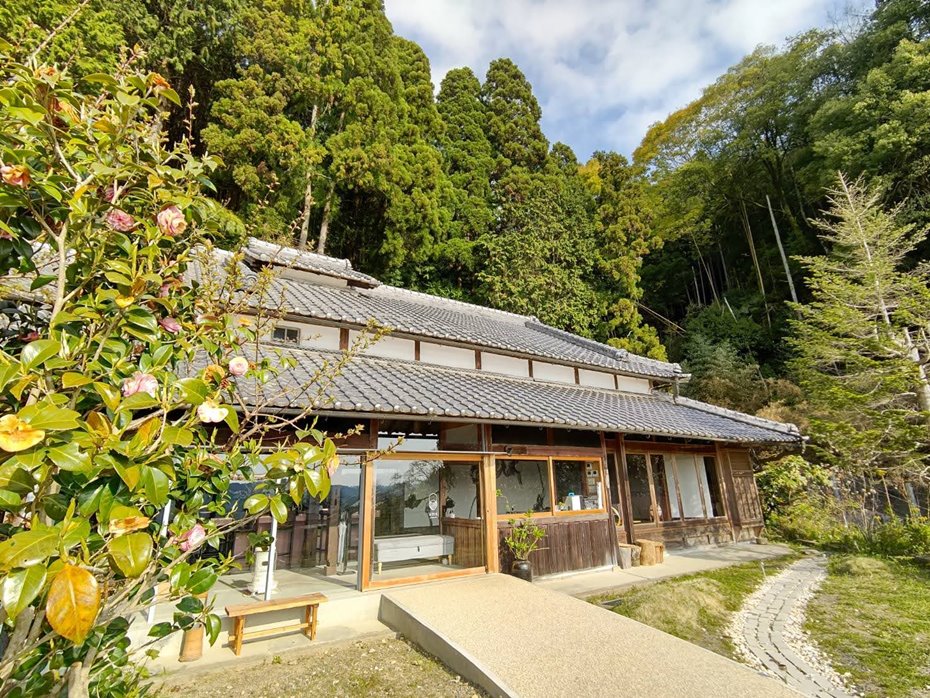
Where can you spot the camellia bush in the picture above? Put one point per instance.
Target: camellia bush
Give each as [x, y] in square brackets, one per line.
[125, 385]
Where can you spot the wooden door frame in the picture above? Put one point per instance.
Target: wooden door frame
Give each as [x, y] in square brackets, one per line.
[366, 543]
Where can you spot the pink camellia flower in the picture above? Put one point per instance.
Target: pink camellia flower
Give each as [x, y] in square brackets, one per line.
[119, 220]
[209, 412]
[30, 336]
[109, 193]
[171, 221]
[169, 324]
[238, 365]
[15, 175]
[140, 382]
[192, 538]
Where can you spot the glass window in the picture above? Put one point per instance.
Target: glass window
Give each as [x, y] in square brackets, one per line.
[638, 475]
[689, 487]
[577, 485]
[614, 491]
[523, 485]
[288, 335]
[427, 518]
[712, 487]
[666, 497]
[417, 436]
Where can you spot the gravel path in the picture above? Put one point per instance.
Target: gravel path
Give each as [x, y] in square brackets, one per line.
[768, 631]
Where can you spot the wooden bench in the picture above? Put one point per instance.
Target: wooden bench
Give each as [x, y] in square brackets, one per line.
[310, 603]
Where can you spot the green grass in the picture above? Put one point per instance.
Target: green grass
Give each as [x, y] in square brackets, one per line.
[872, 619]
[697, 607]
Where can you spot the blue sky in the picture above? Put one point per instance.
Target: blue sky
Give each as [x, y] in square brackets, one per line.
[604, 70]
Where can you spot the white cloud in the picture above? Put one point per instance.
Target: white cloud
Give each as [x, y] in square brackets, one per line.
[603, 71]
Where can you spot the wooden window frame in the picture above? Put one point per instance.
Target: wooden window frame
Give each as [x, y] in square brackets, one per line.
[670, 457]
[549, 459]
[489, 516]
[285, 329]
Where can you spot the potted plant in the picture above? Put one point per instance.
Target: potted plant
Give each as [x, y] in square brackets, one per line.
[522, 539]
[257, 556]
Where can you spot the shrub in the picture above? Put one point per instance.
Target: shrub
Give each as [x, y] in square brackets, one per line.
[119, 381]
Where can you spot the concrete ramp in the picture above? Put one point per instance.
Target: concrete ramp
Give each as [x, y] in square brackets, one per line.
[518, 639]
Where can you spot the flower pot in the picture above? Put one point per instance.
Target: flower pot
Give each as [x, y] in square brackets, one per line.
[259, 573]
[523, 569]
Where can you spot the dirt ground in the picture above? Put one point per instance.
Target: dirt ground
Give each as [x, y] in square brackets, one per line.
[376, 667]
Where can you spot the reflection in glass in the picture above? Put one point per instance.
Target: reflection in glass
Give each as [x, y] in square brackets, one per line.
[639, 487]
[427, 517]
[317, 546]
[712, 487]
[577, 485]
[689, 487]
[666, 498]
[523, 486]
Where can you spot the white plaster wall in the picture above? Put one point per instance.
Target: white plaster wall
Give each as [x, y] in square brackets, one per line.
[388, 347]
[447, 356]
[595, 379]
[508, 365]
[634, 385]
[319, 337]
[553, 372]
[311, 336]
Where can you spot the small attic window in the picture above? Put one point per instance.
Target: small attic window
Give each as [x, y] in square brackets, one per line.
[288, 335]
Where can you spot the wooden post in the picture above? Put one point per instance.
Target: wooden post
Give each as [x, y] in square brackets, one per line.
[605, 492]
[489, 513]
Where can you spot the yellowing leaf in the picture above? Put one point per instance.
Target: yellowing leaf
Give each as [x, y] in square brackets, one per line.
[131, 554]
[125, 301]
[73, 603]
[125, 519]
[17, 435]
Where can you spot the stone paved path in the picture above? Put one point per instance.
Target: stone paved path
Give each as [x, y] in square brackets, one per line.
[768, 631]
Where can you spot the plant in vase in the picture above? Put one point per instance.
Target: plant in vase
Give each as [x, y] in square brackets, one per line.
[257, 556]
[523, 539]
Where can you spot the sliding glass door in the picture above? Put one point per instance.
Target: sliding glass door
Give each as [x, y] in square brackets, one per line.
[428, 518]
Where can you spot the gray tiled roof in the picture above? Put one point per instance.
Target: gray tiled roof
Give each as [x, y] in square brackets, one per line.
[423, 315]
[380, 386]
[268, 253]
[434, 317]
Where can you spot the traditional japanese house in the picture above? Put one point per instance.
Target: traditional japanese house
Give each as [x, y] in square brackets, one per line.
[500, 414]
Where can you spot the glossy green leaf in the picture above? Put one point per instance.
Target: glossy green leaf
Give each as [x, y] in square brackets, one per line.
[255, 503]
[21, 587]
[109, 394]
[73, 380]
[177, 436]
[131, 553]
[156, 484]
[10, 501]
[278, 509]
[69, 457]
[29, 547]
[43, 415]
[201, 581]
[38, 352]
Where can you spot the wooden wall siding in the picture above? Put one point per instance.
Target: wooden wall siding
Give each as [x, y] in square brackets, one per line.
[469, 541]
[686, 533]
[748, 508]
[569, 544]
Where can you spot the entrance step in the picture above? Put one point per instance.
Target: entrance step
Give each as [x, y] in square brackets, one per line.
[513, 638]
